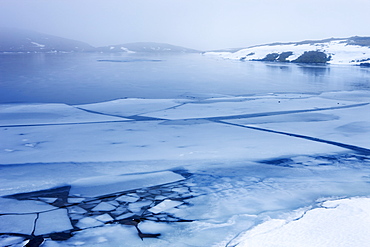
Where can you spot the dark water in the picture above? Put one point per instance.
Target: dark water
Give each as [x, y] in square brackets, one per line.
[87, 78]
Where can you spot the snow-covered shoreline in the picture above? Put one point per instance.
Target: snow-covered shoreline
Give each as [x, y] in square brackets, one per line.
[339, 51]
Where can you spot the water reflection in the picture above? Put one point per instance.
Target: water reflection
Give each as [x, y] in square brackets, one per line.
[285, 68]
[315, 70]
[361, 85]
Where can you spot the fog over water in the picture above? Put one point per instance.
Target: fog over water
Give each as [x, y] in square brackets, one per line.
[203, 25]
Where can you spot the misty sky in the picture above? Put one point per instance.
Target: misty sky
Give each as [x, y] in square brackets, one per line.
[198, 24]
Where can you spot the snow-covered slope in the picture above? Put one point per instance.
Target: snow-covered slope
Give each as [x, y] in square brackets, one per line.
[354, 50]
[15, 40]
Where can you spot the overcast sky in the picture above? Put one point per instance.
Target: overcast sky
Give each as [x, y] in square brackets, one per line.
[198, 24]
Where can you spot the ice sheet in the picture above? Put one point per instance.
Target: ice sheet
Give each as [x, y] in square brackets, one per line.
[31, 114]
[248, 107]
[131, 107]
[200, 177]
[336, 125]
[142, 140]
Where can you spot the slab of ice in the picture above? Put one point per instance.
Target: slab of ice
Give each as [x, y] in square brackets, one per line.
[164, 205]
[114, 203]
[53, 221]
[104, 206]
[17, 223]
[125, 216]
[12, 206]
[88, 222]
[253, 106]
[75, 200]
[24, 114]
[340, 223]
[95, 186]
[125, 198]
[130, 107]
[104, 218]
[76, 210]
[136, 207]
[337, 125]
[145, 141]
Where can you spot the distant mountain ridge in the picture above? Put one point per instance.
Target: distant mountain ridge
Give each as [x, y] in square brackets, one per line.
[14, 40]
[354, 50]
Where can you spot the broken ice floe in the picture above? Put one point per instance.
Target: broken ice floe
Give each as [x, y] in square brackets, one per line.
[59, 216]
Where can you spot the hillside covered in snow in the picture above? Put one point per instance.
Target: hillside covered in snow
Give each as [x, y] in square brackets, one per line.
[16, 40]
[354, 50]
[25, 41]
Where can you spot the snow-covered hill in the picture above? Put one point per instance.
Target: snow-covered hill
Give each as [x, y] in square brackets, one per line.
[14, 40]
[354, 50]
[146, 47]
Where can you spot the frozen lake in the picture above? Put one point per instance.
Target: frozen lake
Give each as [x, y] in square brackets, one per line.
[182, 151]
[88, 78]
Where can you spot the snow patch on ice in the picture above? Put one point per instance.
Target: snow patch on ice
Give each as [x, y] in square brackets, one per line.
[337, 223]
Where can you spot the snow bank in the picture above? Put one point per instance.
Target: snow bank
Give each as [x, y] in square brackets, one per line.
[339, 223]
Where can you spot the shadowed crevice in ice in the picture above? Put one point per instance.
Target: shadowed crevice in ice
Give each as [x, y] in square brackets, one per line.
[342, 145]
[60, 193]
